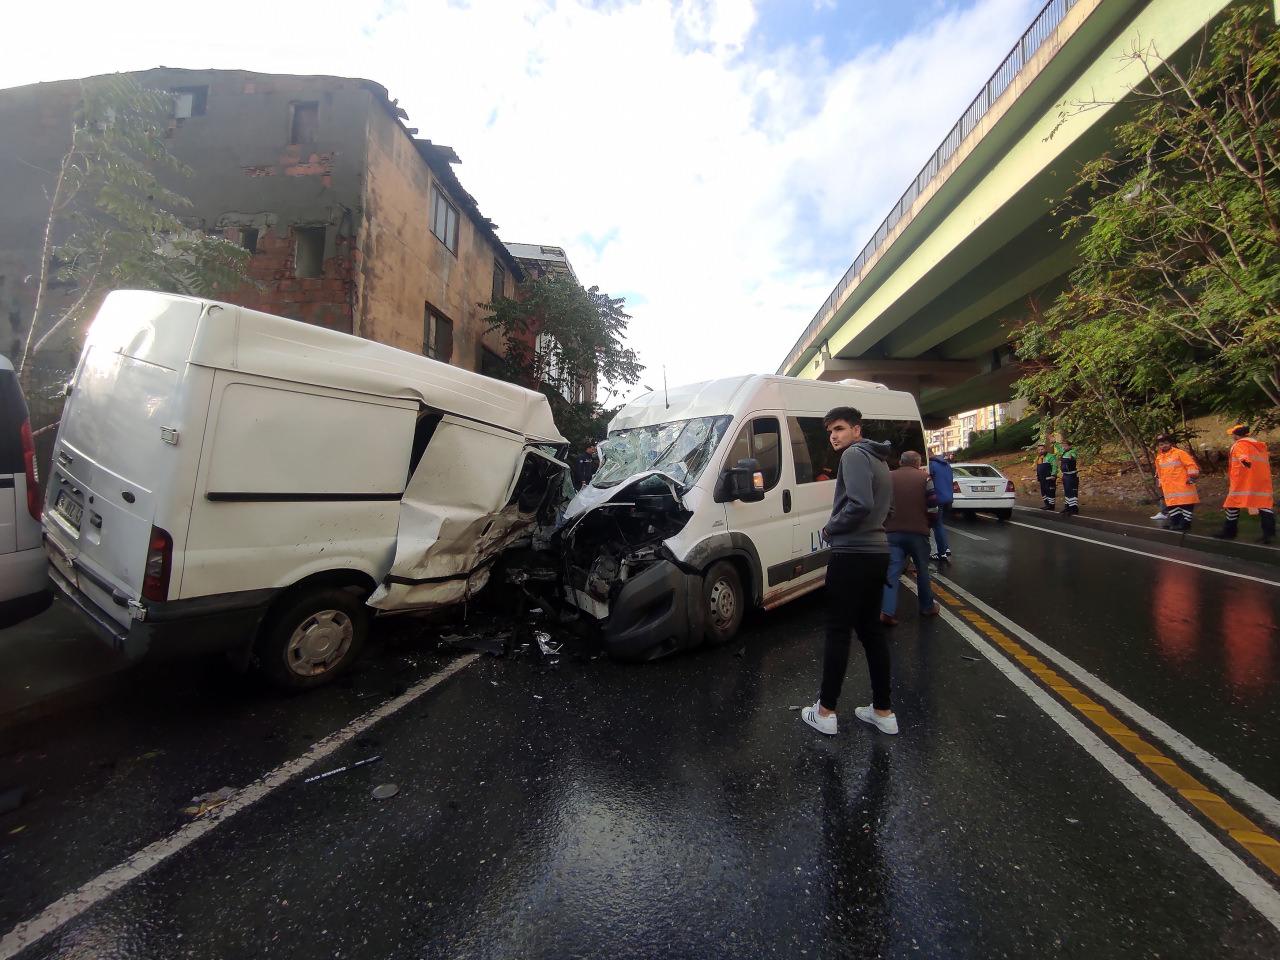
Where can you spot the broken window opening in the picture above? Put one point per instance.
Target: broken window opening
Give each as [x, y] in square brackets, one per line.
[189, 102]
[437, 334]
[423, 431]
[304, 121]
[249, 239]
[444, 220]
[681, 449]
[308, 252]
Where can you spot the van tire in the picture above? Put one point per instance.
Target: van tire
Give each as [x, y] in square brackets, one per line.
[724, 602]
[338, 622]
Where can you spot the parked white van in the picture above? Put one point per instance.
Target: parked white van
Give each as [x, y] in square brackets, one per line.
[710, 499]
[23, 580]
[225, 479]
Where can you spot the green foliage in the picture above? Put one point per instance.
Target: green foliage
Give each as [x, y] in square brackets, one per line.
[1007, 439]
[112, 221]
[565, 340]
[1175, 307]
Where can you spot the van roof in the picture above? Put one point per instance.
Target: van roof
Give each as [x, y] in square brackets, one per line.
[221, 335]
[746, 394]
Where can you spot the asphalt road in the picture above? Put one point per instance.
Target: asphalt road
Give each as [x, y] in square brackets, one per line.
[1087, 767]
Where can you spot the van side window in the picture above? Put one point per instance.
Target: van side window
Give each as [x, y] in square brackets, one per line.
[760, 439]
[811, 451]
[901, 434]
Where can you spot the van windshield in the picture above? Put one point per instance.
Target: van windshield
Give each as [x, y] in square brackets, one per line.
[681, 449]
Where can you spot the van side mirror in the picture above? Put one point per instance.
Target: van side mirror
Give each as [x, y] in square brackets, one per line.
[744, 482]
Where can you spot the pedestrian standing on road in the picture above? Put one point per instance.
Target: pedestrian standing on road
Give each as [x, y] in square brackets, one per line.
[943, 478]
[585, 466]
[1248, 486]
[856, 572]
[1177, 472]
[914, 504]
[1047, 474]
[1066, 453]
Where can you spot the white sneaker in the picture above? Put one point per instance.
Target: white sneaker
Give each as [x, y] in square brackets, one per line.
[868, 714]
[820, 723]
[1160, 516]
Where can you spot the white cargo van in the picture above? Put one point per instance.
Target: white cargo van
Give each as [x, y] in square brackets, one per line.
[225, 479]
[23, 580]
[709, 500]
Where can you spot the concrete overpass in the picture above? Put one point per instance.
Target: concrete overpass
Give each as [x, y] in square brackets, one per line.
[973, 244]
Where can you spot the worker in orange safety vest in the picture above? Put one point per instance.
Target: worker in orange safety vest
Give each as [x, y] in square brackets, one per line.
[1249, 486]
[1177, 472]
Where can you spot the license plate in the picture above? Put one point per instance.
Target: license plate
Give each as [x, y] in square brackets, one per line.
[69, 508]
[986, 489]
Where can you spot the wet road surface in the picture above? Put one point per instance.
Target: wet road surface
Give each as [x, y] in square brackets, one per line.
[681, 808]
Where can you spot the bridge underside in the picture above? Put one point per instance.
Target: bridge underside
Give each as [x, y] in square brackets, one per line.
[934, 310]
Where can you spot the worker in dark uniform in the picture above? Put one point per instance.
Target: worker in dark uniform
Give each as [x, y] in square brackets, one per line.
[585, 466]
[1066, 452]
[1047, 474]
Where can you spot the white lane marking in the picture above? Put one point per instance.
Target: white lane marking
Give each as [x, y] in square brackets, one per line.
[1143, 553]
[113, 880]
[964, 533]
[1242, 878]
[1139, 526]
[1234, 783]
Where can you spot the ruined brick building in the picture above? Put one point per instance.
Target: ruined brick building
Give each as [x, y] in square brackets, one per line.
[354, 223]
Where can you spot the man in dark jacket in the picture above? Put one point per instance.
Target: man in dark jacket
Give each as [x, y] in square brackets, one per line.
[943, 477]
[914, 504]
[585, 466]
[856, 572]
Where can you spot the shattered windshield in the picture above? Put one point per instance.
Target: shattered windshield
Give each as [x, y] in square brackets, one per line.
[680, 449]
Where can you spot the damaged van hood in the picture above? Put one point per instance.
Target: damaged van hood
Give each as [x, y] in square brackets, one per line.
[589, 498]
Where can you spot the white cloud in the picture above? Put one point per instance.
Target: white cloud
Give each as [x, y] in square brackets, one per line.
[723, 192]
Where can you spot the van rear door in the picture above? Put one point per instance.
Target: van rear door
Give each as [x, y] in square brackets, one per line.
[116, 451]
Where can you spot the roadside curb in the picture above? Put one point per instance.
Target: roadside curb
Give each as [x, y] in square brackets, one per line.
[1224, 548]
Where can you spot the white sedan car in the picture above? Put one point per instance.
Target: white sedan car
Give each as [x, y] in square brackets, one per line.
[980, 486]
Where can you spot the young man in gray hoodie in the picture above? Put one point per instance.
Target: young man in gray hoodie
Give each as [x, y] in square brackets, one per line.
[856, 572]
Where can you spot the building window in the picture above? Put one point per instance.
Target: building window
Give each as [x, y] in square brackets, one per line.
[308, 252]
[491, 364]
[304, 122]
[499, 281]
[189, 102]
[437, 334]
[249, 239]
[444, 220]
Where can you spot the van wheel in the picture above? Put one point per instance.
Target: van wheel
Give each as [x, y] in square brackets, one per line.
[725, 603]
[1004, 514]
[313, 638]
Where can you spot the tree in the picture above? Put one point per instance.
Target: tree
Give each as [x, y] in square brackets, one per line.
[1174, 309]
[567, 341]
[113, 223]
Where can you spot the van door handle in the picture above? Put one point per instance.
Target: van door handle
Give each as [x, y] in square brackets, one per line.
[786, 501]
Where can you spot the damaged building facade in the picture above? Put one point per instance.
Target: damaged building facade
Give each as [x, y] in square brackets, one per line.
[354, 223]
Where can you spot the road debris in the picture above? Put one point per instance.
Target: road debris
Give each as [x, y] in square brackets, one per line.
[974, 659]
[349, 766]
[794, 706]
[385, 791]
[205, 802]
[544, 643]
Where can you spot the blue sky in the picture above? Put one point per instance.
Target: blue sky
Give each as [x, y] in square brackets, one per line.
[720, 162]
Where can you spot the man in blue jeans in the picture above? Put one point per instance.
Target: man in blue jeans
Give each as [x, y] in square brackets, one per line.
[942, 476]
[908, 533]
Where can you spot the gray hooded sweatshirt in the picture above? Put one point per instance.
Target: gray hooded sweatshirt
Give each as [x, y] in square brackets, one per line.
[864, 498]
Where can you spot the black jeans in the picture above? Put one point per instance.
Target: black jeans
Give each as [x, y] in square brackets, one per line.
[855, 584]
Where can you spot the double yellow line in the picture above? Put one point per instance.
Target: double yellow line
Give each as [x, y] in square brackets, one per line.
[1261, 845]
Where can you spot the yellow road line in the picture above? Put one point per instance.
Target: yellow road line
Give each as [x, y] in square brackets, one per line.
[1228, 819]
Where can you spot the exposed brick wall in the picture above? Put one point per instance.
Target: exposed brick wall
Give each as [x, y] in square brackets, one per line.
[326, 301]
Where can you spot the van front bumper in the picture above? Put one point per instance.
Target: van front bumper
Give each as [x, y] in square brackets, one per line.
[177, 628]
[657, 612]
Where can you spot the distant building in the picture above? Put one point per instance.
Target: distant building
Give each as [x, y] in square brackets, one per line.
[539, 260]
[955, 435]
[354, 223]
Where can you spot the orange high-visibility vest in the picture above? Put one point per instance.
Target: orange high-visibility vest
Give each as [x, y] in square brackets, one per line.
[1175, 470]
[1249, 483]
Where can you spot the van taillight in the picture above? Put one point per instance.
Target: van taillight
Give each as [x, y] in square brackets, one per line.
[155, 579]
[35, 503]
[1008, 486]
[955, 486]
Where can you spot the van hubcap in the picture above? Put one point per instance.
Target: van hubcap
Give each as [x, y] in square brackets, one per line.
[723, 604]
[319, 642]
